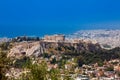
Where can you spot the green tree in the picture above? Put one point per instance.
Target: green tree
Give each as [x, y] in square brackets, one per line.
[4, 65]
[39, 72]
[111, 68]
[54, 74]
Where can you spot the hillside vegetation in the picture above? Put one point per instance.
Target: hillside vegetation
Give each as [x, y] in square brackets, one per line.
[35, 57]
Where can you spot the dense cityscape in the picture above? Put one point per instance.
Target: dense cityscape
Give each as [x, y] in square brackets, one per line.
[109, 38]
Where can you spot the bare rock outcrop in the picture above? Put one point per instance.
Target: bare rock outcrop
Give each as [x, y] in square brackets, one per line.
[26, 48]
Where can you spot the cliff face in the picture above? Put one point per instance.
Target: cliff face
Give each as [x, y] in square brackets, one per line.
[38, 48]
[26, 48]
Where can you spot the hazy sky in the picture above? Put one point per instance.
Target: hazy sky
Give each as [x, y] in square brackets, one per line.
[39, 17]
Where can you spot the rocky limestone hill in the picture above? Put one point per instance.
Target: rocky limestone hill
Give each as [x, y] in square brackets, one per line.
[39, 47]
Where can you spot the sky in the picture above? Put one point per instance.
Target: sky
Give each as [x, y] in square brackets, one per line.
[40, 17]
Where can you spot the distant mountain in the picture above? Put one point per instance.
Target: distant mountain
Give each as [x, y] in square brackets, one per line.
[107, 38]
